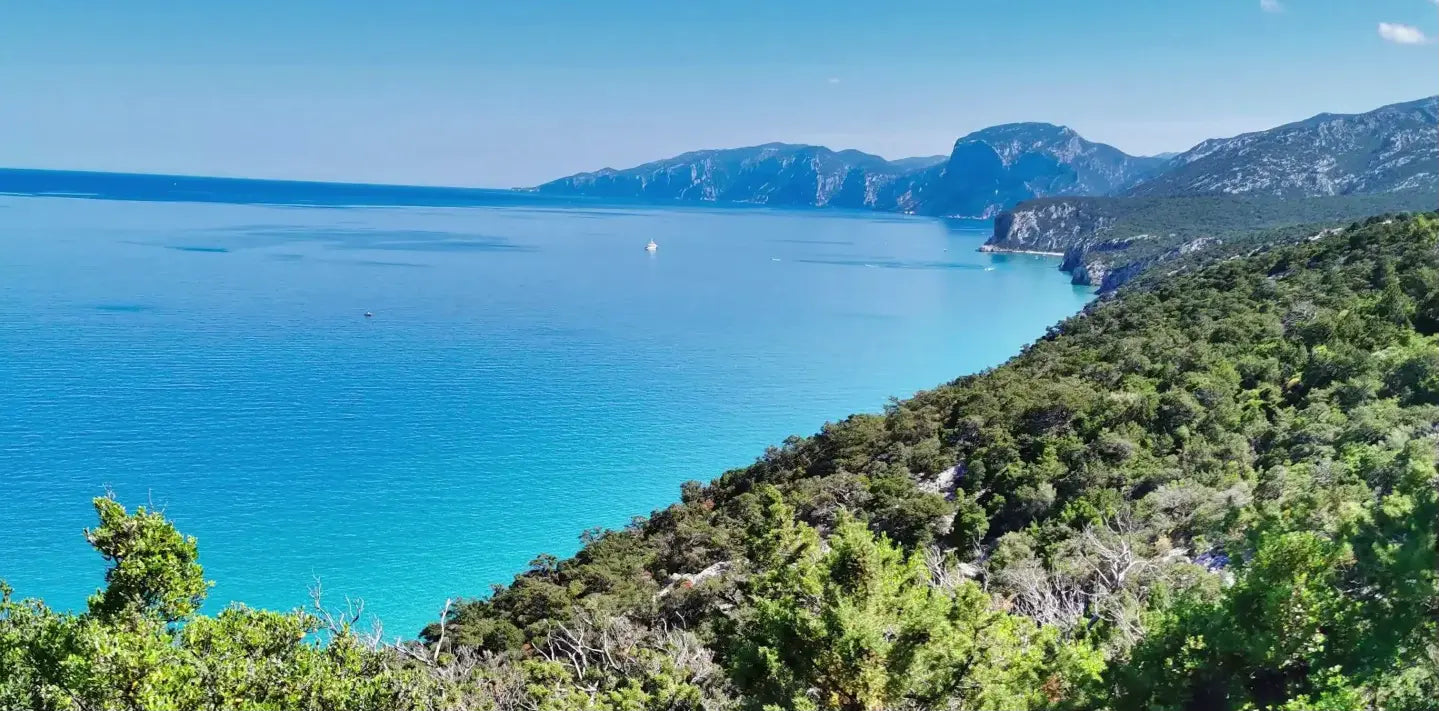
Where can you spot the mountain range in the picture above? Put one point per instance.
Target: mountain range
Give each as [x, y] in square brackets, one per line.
[773, 174]
[1290, 182]
[1393, 148]
[985, 172]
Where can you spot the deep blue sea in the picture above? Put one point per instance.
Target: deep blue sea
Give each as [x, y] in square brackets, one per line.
[529, 370]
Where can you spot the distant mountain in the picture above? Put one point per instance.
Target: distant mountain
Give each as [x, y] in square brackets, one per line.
[911, 164]
[1392, 148]
[1230, 193]
[992, 169]
[986, 172]
[771, 174]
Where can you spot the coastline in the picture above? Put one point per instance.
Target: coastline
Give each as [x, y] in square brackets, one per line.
[1002, 250]
[406, 603]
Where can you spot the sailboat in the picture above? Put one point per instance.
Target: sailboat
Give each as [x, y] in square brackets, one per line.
[651, 246]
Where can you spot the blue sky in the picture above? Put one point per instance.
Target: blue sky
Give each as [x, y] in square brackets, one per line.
[469, 92]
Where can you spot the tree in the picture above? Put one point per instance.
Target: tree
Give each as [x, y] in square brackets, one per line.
[859, 627]
[1316, 619]
[154, 571]
[140, 644]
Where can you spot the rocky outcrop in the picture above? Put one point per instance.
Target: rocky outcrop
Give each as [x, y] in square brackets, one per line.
[1109, 264]
[1048, 226]
[684, 581]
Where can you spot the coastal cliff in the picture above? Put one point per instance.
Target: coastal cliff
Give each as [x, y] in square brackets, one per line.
[1047, 226]
[1107, 241]
[1081, 231]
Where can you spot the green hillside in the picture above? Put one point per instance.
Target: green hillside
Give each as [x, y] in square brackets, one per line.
[1215, 490]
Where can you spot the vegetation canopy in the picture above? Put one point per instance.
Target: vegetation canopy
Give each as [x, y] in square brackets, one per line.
[1212, 490]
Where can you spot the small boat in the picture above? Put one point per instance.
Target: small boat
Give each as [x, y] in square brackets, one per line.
[651, 246]
[369, 315]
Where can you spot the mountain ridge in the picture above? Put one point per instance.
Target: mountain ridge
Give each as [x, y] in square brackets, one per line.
[1282, 183]
[1389, 149]
[1394, 147]
[985, 171]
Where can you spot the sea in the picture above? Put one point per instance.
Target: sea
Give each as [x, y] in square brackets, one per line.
[404, 394]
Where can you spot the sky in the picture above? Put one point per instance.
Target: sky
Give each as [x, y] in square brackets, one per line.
[503, 94]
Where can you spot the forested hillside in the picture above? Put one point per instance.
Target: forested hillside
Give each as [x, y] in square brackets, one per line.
[1212, 490]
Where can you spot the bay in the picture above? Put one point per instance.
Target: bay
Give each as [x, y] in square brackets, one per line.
[528, 371]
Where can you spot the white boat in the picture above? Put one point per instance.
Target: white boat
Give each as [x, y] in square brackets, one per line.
[651, 246]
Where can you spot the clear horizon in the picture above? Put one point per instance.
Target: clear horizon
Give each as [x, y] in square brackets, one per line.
[495, 96]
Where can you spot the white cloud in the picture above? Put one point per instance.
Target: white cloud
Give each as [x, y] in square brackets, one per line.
[1401, 34]
[835, 80]
[1276, 6]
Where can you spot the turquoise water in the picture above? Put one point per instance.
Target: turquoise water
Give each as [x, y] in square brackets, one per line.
[528, 372]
